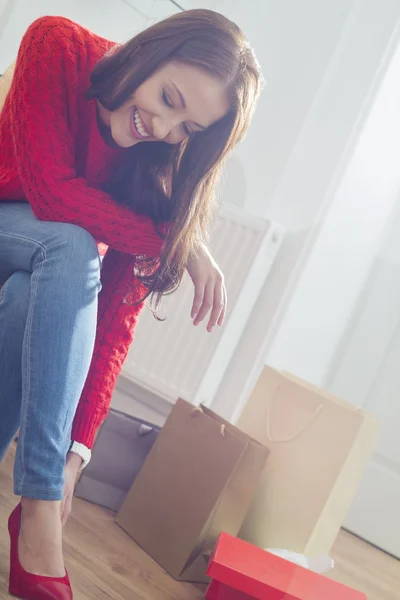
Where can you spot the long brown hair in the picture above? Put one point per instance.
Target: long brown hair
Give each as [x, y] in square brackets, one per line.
[176, 183]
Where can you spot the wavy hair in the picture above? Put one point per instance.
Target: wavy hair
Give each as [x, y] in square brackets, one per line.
[177, 183]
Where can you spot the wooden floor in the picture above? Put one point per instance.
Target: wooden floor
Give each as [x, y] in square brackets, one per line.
[105, 564]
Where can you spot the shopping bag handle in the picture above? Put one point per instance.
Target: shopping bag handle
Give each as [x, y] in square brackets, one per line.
[197, 410]
[274, 440]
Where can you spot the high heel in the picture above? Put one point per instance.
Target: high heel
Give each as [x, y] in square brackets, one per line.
[28, 586]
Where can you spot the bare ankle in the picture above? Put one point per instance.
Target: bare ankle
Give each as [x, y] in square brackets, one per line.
[40, 538]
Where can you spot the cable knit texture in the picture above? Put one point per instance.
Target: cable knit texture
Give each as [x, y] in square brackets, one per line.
[53, 156]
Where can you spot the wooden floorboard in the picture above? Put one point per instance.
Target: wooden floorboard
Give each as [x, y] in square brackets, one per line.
[104, 563]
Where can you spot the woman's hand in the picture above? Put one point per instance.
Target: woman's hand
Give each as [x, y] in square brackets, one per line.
[209, 289]
[72, 466]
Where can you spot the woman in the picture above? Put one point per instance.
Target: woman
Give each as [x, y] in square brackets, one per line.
[79, 178]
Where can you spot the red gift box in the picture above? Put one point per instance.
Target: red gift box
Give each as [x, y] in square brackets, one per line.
[241, 571]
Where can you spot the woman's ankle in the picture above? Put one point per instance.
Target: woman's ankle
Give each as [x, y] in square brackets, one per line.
[40, 539]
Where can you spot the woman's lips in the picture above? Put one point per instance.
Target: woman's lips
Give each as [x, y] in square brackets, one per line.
[138, 128]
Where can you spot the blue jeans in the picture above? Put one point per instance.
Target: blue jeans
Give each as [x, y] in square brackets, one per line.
[50, 279]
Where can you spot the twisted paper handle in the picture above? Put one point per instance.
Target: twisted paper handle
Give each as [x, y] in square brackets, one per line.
[199, 411]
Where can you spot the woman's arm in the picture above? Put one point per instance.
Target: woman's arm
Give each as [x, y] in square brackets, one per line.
[116, 322]
[49, 59]
[114, 335]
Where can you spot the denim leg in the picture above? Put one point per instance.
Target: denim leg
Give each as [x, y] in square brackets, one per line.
[14, 304]
[58, 340]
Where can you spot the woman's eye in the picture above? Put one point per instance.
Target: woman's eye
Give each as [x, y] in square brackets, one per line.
[166, 100]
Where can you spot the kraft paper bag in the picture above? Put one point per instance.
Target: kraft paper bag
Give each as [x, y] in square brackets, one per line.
[319, 447]
[119, 453]
[198, 481]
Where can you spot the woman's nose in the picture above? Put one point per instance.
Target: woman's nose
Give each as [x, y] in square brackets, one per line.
[161, 128]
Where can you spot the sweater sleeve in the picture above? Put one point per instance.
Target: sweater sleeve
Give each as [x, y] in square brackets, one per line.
[115, 326]
[49, 59]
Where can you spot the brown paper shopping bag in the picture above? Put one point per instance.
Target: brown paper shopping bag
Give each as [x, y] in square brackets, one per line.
[198, 481]
[319, 447]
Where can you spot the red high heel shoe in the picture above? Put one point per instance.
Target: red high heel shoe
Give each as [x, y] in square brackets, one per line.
[28, 586]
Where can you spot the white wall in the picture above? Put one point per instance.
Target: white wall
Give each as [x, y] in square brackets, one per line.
[339, 265]
[5, 4]
[294, 42]
[210, 4]
[373, 329]
[6, 8]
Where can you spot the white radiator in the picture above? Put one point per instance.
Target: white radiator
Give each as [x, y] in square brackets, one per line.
[175, 359]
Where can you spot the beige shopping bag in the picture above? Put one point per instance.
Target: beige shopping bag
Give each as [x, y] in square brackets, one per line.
[197, 482]
[319, 447]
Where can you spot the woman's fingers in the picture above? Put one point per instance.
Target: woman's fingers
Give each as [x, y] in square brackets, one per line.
[210, 296]
[206, 304]
[199, 290]
[218, 304]
[224, 307]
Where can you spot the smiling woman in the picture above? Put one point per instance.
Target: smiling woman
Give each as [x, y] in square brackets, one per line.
[191, 82]
[101, 145]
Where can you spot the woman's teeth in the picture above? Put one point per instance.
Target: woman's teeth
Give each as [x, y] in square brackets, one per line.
[139, 125]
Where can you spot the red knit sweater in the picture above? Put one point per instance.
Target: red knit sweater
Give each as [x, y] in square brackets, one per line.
[53, 156]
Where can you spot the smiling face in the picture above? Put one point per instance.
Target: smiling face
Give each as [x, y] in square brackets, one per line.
[173, 103]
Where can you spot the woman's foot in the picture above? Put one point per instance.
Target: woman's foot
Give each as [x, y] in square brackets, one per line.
[24, 584]
[40, 538]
